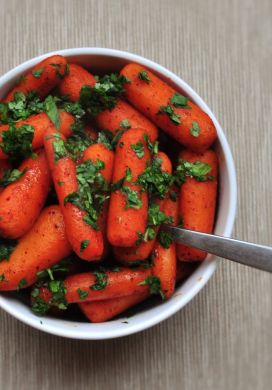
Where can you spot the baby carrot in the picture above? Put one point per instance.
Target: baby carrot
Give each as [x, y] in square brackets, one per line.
[42, 78]
[43, 246]
[143, 249]
[85, 240]
[198, 202]
[101, 311]
[128, 203]
[123, 117]
[175, 114]
[72, 83]
[21, 202]
[98, 286]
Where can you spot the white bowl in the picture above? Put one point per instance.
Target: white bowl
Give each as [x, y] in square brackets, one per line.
[99, 59]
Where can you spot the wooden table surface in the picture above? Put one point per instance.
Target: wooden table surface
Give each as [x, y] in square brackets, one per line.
[221, 340]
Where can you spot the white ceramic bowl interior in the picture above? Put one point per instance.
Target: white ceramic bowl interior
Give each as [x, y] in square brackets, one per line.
[107, 60]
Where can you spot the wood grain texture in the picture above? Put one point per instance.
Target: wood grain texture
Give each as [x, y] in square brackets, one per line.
[223, 339]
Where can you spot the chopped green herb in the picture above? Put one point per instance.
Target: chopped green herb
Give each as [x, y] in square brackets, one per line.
[101, 280]
[58, 290]
[179, 101]
[197, 170]
[52, 111]
[103, 94]
[173, 196]
[38, 305]
[105, 138]
[142, 264]
[154, 284]
[125, 124]
[153, 148]
[60, 150]
[17, 141]
[58, 68]
[143, 75]
[22, 283]
[165, 239]
[195, 129]
[84, 244]
[10, 176]
[2, 277]
[169, 110]
[38, 73]
[157, 217]
[132, 199]
[138, 149]
[82, 294]
[61, 267]
[6, 248]
[149, 235]
[154, 180]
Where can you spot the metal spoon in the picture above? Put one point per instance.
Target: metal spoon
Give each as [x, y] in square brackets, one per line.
[253, 255]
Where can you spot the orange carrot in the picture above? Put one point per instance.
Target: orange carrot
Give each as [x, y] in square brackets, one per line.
[72, 83]
[183, 120]
[143, 250]
[122, 117]
[197, 203]
[86, 287]
[129, 204]
[21, 202]
[42, 78]
[43, 246]
[41, 123]
[95, 153]
[101, 311]
[85, 240]
[164, 254]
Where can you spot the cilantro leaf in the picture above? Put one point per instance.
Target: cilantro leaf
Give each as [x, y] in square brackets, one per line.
[132, 199]
[197, 170]
[125, 124]
[157, 217]
[165, 239]
[22, 284]
[51, 110]
[37, 73]
[143, 75]
[170, 112]
[138, 149]
[10, 176]
[154, 284]
[7, 246]
[179, 101]
[82, 294]
[84, 244]
[101, 280]
[195, 129]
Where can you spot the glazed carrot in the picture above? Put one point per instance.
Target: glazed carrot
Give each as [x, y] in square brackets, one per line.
[95, 153]
[164, 254]
[129, 204]
[197, 203]
[122, 117]
[84, 239]
[41, 123]
[21, 202]
[101, 311]
[85, 287]
[191, 126]
[42, 78]
[143, 250]
[43, 246]
[72, 83]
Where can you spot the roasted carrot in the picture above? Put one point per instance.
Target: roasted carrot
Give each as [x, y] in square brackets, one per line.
[21, 202]
[42, 78]
[101, 311]
[85, 240]
[97, 286]
[40, 124]
[123, 117]
[176, 115]
[164, 254]
[43, 246]
[129, 204]
[198, 202]
[143, 249]
[72, 83]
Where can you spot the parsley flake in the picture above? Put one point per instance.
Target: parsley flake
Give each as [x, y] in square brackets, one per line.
[101, 281]
[51, 110]
[143, 75]
[165, 239]
[22, 284]
[195, 129]
[10, 176]
[84, 244]
[82, 294]
[179, 101]
[154, 284]
[138, 148]
[132, 199]
[125, 124]
[169, 110]
[37, 73]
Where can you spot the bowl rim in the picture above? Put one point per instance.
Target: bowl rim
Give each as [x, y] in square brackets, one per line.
[206, 269]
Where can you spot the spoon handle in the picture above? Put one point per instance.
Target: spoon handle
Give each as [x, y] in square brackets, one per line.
[253, 255]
